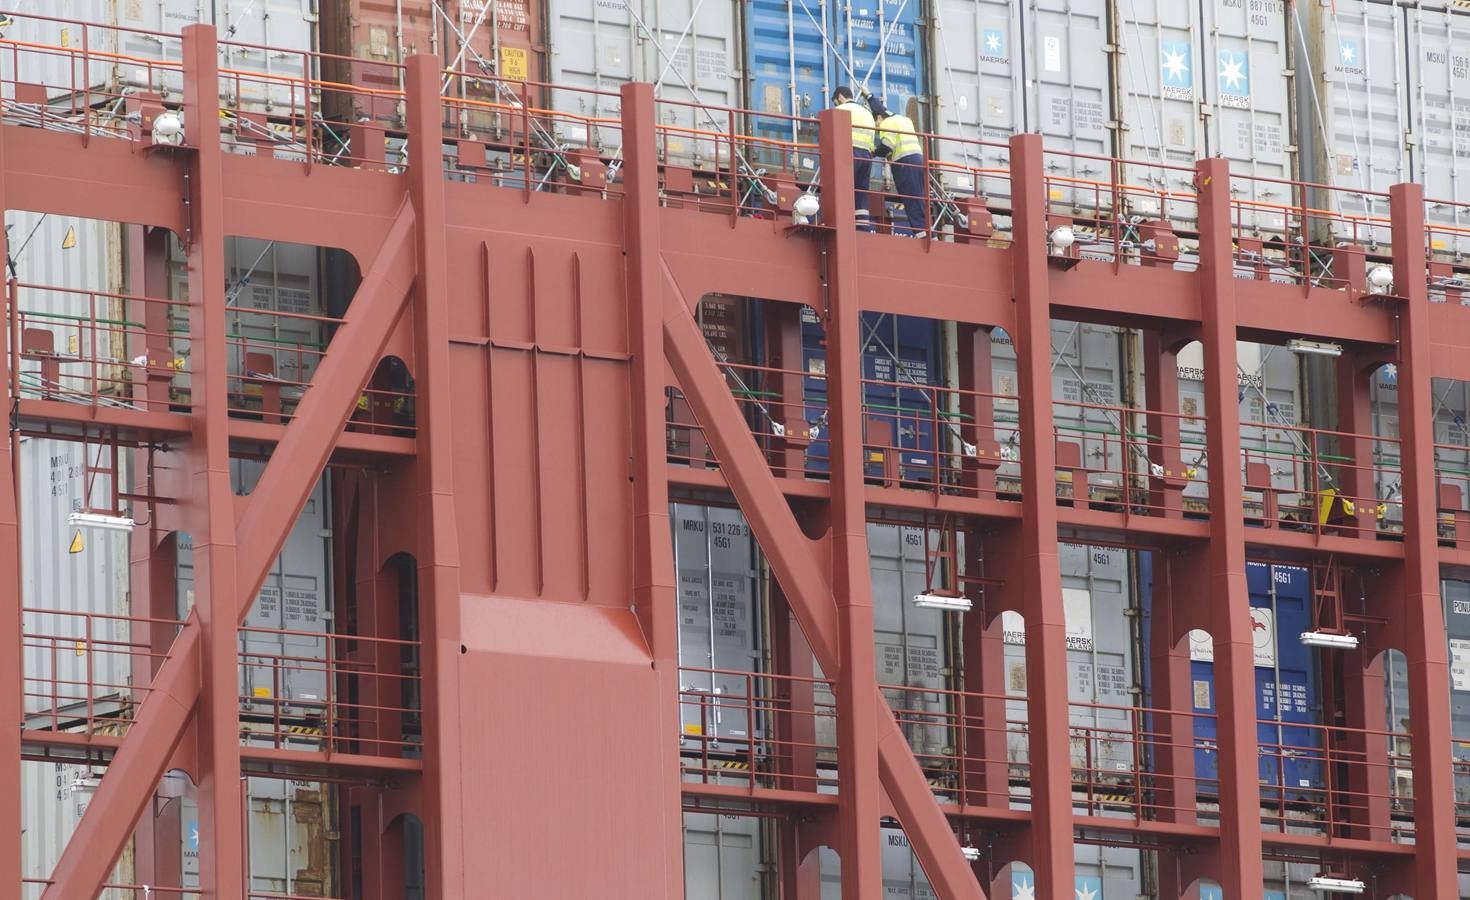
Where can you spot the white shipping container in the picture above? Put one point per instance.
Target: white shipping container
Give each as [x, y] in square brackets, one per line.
[1209, 79]
[717, 564]
[1439, 53]
[722, 857]
[287, 662]
[1002, 68]
[54, 795]
[911, 643]
[133, 34]
[291, 836]
[689, 50]
[75, 654]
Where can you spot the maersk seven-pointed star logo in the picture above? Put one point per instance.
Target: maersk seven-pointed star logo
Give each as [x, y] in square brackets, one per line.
[1175, 64]
[994, 42]
[1348, 51]
[1088, 888]
[1022, 888]
[1234, 73]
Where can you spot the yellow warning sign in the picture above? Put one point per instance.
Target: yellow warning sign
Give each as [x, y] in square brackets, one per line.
[70, 240]
[76, 543]
[261, 692]
[513, 64]
[81, 648]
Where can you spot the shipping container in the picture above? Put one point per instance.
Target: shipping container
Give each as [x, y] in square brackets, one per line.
[902, 356]
[291, 836]
[1102, 665]
[368, 41]
[911, 643]
[1456, 592]
[798, 52]
[1210, 79]
[723, 857]
[718, 567]
[132, 37]
[54, 795]
[284, 643]
[1269, 389]
[688, 49]
[1288, 698]
[1003, 68]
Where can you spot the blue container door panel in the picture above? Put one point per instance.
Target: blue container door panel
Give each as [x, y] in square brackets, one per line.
[814, 387]
[1206, 731]
[1290, 690]
[789, 64]
[860, 29]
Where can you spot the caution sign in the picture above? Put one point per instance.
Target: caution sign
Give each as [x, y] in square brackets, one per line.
[76, 543]
[70, 241]
[514, 64]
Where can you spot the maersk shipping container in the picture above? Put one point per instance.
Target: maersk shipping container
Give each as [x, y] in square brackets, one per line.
[132, 35]
[1456, 593]
[77, 580]
[723, 858]
[688, 49]
[1396, 90]
[291, 836]
[718, 567]
[54, 795]
[1102, 662]
[798, 52]
[911, 643]
[283, 665]
[902, 356]
[1287, 688]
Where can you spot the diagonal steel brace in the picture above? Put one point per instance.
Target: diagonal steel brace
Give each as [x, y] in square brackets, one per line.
[295, 466]
[807, 586]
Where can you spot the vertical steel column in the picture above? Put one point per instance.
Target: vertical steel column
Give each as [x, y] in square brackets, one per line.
[12, 685]
[211, 506]
[1173, 761]
[1425, 646]
[654, 597]
[1239, 863]
[1161, 389]
[1041, 602]
[438, 559]
[977, 410]
[857, 714]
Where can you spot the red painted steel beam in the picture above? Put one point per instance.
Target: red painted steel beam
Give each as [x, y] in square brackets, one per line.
[12, 683]
[1239, 864]
[655, 599]
[803, 579]
[209, 509]
[1425, 650]
[437, 528]
[1041, 592]
[307, 443]
[132, 775]
[858, 834]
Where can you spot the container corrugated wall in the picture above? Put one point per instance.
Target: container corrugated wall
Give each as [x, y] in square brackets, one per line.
[54, 795]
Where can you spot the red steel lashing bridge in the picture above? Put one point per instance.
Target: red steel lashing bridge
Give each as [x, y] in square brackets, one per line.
[538, 273]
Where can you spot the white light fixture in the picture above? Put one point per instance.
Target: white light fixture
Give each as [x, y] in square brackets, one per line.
[1380, 279]
[100, 521]
[1314, 348]
[1062, 238]
[85, 784]
[806, 206]
[1328, 640]
[939, 601]
[972, 854]
[168, 129]
[1329, 884]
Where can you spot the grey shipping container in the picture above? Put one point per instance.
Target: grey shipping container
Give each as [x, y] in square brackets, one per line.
[717, 564]
[54, 795]
[291, 835]
[1101, 663]
[77, 580]
[689, 50]
[723, 857]
[129, 32]
[284, 661]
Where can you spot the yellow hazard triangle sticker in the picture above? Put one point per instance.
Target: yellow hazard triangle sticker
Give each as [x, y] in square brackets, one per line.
[70, 240]
[76, 543]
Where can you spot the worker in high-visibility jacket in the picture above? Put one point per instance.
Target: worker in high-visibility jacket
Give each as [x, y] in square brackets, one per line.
[864, 141]
[899, 143]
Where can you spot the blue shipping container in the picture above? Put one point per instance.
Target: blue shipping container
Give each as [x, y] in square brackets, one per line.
[904, 353]
[799, 51]
[1286, 684]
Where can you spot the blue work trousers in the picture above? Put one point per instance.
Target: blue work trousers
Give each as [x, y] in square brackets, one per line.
[908, 180]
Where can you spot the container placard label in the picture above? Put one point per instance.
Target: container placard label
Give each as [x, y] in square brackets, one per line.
[1263, 639]
[514, 64]
[1459, 664]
